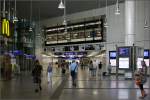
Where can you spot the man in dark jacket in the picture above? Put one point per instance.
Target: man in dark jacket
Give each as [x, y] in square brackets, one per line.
[36, 73]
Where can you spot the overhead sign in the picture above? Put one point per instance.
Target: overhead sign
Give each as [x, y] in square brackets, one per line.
[5, 27]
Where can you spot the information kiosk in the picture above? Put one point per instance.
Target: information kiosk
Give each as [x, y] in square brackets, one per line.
[128, 60]
[147, 57]
[112, 60]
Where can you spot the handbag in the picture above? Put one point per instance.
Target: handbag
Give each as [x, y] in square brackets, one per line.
[138, 82]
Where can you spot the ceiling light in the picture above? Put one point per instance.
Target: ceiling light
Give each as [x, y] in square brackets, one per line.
[117, 11]
[30, 29]
[61, 5]
[64, 22]
[15, 19]
[4, 9]
[105, 24]
[146, 25]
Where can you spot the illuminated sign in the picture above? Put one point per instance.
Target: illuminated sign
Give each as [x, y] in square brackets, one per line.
[124, 63]
[5, 27]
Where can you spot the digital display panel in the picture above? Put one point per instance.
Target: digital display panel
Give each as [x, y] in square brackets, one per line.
[81, 48]
[113, 62]
[76, 48]
[112, 54]
[124, 52]
[147, 62]
[124, 63]
[146, 54]
[89, 47]
[138, 63]
[67, 48]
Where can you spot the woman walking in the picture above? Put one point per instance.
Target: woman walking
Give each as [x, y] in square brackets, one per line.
[141, 78]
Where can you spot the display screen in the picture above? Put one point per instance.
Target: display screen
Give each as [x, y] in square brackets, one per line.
[113, 62]
[124, 63]
[89, 47]
[81, 48]
[76, 48]
[67, 48]
[112, 54]
[146, 54]
[138, 63]
[147, 62]
[17, 52]
[124, 52]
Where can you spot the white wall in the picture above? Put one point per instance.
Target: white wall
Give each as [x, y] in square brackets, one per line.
[116, 30]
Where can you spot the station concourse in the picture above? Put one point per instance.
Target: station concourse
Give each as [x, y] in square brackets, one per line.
[74, 50]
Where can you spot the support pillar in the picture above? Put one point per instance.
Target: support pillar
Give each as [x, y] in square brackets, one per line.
[129, 22]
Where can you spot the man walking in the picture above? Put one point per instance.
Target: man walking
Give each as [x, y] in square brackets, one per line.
[36, 73]
[73, 69]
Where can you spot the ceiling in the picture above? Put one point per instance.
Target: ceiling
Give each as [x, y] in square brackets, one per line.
[44, 9]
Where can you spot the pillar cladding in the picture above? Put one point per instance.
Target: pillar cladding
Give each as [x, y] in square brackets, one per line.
[129, 22]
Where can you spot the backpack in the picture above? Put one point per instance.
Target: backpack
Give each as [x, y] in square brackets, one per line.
[49, 69]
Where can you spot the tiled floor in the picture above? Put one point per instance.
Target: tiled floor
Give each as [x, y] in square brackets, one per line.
[88, 88]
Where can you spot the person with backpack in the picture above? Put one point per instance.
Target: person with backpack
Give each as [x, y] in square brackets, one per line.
[36, 73]
[74, 69]
[49, 72]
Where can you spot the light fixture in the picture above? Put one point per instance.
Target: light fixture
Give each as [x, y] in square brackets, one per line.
[61, 5]
[9, 16]
[30, 28]
[65, 20]
[117, 10]
[4, 9]
[146, 25]
[106, 24]
[15, 19]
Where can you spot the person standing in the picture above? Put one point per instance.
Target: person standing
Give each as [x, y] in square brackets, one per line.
[73, 70]
[100, 67]
[36, 73]
[49, 73]
[95, 66]
[91, 68]
[109, 68]
[141, 78]
[63, 66]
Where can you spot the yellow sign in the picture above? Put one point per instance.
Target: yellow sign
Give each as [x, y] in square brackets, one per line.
[5, 27]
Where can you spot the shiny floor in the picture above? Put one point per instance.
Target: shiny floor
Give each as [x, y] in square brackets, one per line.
[88, 88]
